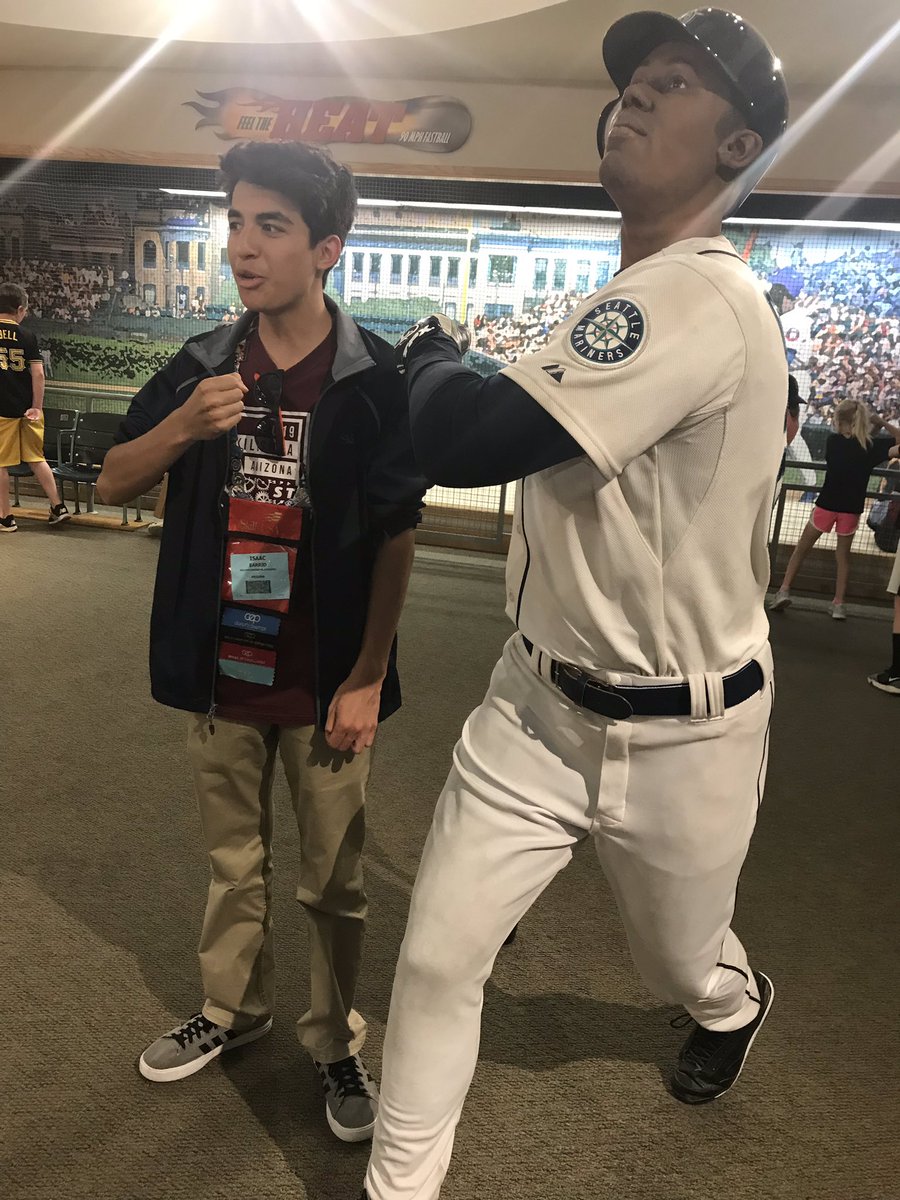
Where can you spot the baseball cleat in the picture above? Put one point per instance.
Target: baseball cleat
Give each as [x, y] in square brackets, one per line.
[886, 681]
[710, 1062]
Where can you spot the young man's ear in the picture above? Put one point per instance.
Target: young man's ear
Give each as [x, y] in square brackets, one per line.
[329, 251]
[739, 150]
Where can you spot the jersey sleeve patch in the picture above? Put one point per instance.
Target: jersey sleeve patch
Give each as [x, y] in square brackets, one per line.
[610, 333]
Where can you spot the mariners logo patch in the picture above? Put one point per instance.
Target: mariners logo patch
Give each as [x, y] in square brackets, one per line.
[609, 333]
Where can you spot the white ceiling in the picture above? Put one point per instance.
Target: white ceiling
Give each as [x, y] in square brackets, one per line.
[556, 44]
[265, 21]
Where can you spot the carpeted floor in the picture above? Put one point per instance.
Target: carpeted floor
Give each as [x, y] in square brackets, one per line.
[103, 880]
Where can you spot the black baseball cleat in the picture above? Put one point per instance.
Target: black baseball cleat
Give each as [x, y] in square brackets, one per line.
[887, 681]
[710, 1062]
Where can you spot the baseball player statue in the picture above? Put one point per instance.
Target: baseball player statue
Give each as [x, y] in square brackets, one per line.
[632, 705]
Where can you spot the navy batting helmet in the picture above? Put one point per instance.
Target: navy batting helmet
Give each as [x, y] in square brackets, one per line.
[746, 62]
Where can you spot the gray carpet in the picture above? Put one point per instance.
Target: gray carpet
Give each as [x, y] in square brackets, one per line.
[103, 881]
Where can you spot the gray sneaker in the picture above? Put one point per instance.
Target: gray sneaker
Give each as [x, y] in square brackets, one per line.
[838, 612]
[187, 1049]
[351, 1098]
[780, 601]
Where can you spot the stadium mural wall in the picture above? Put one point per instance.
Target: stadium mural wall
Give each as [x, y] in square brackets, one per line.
[120, 276]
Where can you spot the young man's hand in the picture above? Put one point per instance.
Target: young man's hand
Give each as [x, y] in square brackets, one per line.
[213, 407]
[34, 414]
[353, 715]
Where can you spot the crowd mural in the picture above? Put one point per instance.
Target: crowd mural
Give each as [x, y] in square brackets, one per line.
[113, 275]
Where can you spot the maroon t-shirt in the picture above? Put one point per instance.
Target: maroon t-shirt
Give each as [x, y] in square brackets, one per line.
[291, 700]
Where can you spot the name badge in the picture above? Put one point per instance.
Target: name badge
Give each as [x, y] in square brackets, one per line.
[250, 663]
[250, 628]
[260, 576]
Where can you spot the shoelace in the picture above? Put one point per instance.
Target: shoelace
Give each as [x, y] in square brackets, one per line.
[196, 1028]
[347, 1077]
[702, 1043]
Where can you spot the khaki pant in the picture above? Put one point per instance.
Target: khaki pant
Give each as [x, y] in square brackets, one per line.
[233, 768]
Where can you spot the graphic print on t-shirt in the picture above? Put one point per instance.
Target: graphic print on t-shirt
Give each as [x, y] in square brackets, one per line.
[276, 418]
[270, 478]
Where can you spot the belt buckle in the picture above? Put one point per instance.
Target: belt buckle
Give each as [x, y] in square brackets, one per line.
[591, 694]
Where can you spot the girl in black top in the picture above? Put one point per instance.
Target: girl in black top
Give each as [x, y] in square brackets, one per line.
[850, 455]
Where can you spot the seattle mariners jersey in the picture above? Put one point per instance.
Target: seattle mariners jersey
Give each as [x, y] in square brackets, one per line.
[649, 554]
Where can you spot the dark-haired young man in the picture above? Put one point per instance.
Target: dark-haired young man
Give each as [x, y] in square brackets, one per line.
[22, 406]
[288, 541]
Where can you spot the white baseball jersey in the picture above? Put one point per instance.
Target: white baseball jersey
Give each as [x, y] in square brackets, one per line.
[649, 554]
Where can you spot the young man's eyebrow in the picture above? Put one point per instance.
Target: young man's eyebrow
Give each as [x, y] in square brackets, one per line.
[275, 215]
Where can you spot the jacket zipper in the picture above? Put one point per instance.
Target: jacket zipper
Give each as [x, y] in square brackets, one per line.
[307, 464]
[223, 524]
[307, 470]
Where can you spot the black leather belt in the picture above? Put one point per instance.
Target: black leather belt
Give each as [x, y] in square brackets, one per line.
[655, 700]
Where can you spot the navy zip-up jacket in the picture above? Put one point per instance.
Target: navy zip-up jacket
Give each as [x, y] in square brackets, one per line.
[364, 486]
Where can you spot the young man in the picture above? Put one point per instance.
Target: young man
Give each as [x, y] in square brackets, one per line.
[22, 406]
[633, 704]
[288, 540]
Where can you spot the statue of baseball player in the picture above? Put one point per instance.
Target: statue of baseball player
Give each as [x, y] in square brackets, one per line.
[632, 705]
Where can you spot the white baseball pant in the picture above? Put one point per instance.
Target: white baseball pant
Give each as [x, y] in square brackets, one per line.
[670, 802]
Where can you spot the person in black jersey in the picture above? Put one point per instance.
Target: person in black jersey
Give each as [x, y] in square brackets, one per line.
[22, 406]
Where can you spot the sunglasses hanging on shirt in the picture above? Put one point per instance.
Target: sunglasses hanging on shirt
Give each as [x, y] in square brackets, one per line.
[267, 394]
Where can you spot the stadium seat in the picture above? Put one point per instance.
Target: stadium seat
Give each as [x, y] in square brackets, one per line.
[59, 425]
[94, 437]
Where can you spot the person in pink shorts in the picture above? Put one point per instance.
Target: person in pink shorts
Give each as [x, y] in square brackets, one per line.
[851, 453]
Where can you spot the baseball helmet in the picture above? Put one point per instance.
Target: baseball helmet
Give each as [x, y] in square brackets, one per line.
[745, 61]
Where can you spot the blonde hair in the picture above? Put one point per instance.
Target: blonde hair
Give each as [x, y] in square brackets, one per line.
[853, 415]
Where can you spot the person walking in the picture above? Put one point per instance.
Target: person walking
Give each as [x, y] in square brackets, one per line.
[22, 407]
[851, 454]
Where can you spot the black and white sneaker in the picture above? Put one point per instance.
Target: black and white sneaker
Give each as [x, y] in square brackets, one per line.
[351, 1098]
[710, 1062]
[886, 681]
[58, 514]
[190, 1047]
[8, 525]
